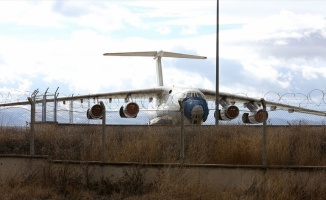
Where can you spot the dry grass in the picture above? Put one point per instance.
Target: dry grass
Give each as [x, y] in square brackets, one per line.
[292, 145]
[65, 183]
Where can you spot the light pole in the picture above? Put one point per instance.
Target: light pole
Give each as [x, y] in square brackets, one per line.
[217, 91]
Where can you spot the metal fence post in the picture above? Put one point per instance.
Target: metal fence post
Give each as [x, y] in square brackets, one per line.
[182, 137]
[71, 108]
[44, 106]
[264, 153]
[55, 105]
[103, 130]
[32, 129]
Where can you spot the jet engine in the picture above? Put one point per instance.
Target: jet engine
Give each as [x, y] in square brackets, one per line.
[129, 110]
[254, 117]
[228, 112]
[95, 112]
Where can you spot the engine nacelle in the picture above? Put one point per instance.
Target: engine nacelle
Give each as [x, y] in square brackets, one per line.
[95, 112]
[129, 110]
[228, 113]
[254, 117]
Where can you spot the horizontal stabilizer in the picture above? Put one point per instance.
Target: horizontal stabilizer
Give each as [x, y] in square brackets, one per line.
[145, 53]
[179, 55]
[156, 54]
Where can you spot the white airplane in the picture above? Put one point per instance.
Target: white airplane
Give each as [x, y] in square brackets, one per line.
[165, 102]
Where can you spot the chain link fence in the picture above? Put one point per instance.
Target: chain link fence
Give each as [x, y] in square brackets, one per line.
[15, 111]
[75, 112]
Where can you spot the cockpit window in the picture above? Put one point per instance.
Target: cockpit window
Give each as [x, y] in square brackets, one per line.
[194, 94]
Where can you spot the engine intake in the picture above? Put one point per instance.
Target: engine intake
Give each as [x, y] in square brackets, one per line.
[254, 117]
[129, 110]
[229, 112]
[95, 112]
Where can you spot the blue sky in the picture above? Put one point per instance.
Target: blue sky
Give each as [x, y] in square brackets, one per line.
[264, 45]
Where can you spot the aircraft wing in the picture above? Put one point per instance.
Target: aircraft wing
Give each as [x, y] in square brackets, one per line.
[232, 98]
[129, 94]
[132, 95]
[18, 103]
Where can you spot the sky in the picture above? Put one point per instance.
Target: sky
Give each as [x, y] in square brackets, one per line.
[270, 46]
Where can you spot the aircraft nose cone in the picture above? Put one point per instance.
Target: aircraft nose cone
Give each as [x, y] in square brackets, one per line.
[195, 110]
[197, 113]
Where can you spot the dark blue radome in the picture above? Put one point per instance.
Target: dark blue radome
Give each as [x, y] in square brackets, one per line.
[189, 104]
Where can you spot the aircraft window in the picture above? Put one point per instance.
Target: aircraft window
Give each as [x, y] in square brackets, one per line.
[194, 94]
[200, 95]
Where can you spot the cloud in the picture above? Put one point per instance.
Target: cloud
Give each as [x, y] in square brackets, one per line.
[163, 30]
[279, 46]
[9, 80]
[284, 49]
[72, 8]
[191, 30]
[186, 79]
[29, 13]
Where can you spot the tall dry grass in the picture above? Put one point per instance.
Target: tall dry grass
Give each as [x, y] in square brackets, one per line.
[290, 145]
[65, 183]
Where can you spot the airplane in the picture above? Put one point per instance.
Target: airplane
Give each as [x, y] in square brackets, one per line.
[165, 103]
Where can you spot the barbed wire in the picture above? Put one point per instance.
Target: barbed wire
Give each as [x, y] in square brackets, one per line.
[13, 96]
[314, 98]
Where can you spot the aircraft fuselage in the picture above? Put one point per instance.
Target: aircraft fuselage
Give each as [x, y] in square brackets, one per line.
[165, 108]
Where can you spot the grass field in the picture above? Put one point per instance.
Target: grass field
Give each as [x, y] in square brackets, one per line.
[240, 145]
